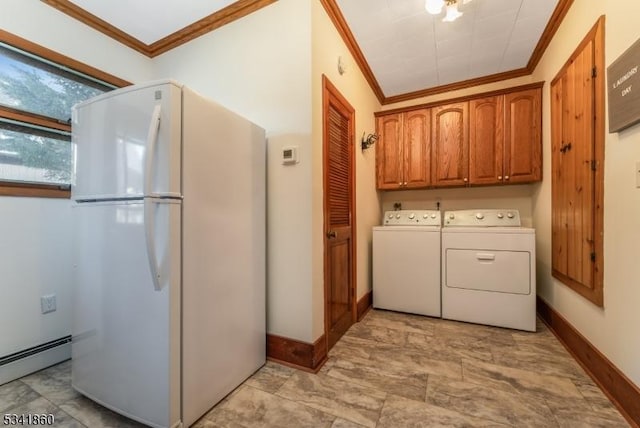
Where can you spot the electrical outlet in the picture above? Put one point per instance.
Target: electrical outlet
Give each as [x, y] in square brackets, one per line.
[48, 303]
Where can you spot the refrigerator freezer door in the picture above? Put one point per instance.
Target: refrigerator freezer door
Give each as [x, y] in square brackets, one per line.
[126, 334]
[111, 136]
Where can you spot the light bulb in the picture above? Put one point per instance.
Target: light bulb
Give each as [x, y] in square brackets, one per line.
[452, 13]
[434, 7]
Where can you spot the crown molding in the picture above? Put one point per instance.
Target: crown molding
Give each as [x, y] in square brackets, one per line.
[209, 23]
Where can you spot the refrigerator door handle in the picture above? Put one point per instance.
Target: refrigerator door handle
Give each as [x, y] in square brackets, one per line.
[150, 238]
[152, 137]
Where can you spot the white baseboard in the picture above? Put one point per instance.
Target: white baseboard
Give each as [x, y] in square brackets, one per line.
[34, 363]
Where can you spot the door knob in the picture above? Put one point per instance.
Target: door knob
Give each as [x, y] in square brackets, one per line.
[331, 234]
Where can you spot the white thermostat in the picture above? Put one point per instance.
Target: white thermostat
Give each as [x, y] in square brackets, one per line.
[289, 155]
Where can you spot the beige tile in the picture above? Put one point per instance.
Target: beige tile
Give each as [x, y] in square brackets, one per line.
[95, 416]
[488, 403]
[41, 406]
[403, 322]
[450, 348]
[54, 384]
[399, 412]
[377, 334]
[415, 361]
[381, 376]
[14, 394]
[270, 377]
[517, 380]
[343, 399]
[553, 364]
[253, 408]
[343, 423]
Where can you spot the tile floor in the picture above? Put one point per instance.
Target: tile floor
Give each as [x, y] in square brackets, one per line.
[390, 370]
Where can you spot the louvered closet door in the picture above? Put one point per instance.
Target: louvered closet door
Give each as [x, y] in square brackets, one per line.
[338, 222]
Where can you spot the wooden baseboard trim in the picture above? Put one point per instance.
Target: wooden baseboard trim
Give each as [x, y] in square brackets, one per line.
[309, 357]
[619, 388]
[364, 304]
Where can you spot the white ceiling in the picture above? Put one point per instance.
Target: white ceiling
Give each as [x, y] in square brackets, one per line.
[409, 49]
[150, 21]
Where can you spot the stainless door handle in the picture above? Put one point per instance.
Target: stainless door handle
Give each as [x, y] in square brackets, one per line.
[332, 234]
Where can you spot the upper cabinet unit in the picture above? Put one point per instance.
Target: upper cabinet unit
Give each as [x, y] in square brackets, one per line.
[403, 151]
[486, 139]
[522, 143]
[450, 149]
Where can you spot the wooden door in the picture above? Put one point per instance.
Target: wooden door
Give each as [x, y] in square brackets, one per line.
[523, 143]
[417, 148]
[389, 153]
[573, 172]
[450, 144]
[486, 140]
[339, 214]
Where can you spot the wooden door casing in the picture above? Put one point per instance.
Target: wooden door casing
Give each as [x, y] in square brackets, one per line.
[486, 140]
[522, 142]
[389, 152]
[339, 213]
[417, 148]
[450, 144]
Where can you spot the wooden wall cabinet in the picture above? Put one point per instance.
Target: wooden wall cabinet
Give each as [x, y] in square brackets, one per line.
[486, 139]
[403, 151]
[522, 136]
[505, 143]
[450, 153]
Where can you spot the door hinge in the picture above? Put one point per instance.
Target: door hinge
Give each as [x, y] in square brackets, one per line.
[593, 257]
[594, 72]
[593, 165]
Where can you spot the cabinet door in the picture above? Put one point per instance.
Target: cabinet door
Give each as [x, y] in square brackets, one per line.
[523, 144]
[417, 148]
[450, 145]
[389, 155]
[486, 140]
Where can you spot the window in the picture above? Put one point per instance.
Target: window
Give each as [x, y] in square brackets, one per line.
[577, 163]
[38, 87]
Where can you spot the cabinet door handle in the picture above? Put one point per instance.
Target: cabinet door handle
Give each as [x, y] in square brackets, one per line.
[499, 177]
[506, 177]
[465, 179]
[404, 184]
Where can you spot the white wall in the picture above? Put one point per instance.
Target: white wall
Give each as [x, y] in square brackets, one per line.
[34, 232]
[260, 67]
[327, 46]
[614, 328]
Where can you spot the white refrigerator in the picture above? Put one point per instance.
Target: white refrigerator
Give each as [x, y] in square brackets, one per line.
[169, 252]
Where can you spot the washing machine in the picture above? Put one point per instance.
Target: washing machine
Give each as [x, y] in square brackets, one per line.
[488, 269]
[406, 262]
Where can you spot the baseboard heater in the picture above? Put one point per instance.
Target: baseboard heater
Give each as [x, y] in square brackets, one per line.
[34, 350]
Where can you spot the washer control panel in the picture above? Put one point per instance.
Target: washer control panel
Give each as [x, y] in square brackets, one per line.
[412, 218]
[483, 217]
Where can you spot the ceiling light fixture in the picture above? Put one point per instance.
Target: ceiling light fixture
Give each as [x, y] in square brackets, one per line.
[434, 7]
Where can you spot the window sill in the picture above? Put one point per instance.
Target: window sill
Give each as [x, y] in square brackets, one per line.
[34, 190]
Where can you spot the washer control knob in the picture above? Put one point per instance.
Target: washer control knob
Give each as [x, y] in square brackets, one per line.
[433, 216]
[425, 216]
[412, 216]
[510, 215]
[451, 216]
[479, 216]
[397, 216]
[500, 215]
[390, 215]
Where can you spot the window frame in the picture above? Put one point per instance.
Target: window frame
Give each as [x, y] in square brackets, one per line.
[8, 188]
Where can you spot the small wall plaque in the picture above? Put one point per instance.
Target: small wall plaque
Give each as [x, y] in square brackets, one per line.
[623, 83]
